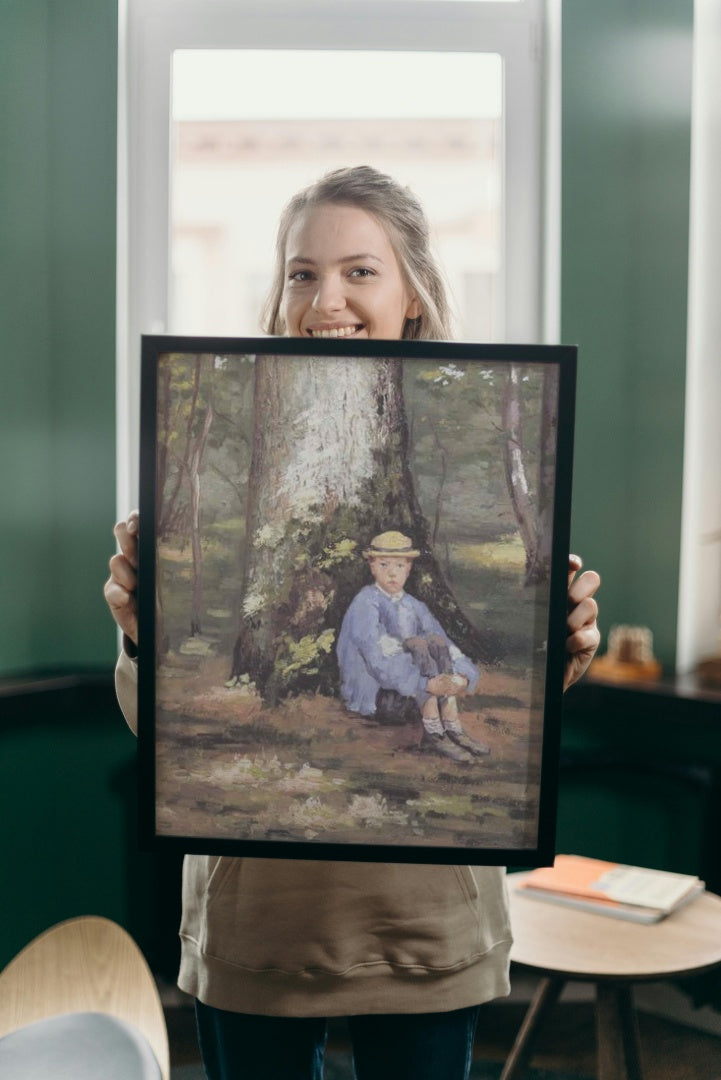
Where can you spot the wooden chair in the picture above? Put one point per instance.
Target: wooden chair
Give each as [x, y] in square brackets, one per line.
[90, 972]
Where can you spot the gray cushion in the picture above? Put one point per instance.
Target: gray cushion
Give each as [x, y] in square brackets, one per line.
[78, 1046]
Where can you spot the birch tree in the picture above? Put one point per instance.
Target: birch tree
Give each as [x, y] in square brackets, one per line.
[185, 417]
[519, 488]
[531, 492]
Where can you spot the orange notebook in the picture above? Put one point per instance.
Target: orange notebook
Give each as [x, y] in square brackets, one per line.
[631, 892]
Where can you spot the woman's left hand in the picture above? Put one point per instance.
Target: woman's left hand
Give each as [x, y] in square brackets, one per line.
[583, 635]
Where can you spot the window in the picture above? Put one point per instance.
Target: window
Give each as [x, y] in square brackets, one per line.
[235, 161]
[227, 107]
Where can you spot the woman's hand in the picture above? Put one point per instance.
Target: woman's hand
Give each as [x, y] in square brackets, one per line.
[121, 587]
[583, 635]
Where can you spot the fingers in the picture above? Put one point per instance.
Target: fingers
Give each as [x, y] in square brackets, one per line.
[583, 613]
[126, 534]
[583, 636]
[121, 587]
[124, 572]
[582, 607]
[581, 649]
[584, 641]
[575, 562]
[583, 587]
[123, 607]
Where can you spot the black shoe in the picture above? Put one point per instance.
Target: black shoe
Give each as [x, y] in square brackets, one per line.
[478, 749]
[438, 743]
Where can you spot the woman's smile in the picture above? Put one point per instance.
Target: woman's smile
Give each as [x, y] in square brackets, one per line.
[334, 331]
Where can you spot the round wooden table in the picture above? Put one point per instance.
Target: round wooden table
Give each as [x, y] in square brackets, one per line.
[562, 944]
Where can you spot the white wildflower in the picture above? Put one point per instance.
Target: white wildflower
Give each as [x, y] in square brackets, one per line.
[268, 536]
[370, 809]
[253, 603]
[307, 772]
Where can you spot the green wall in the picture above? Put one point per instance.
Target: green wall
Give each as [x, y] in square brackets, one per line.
[58, 73]
[626, 146]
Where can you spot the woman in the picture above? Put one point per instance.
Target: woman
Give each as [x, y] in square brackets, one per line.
[271, 948]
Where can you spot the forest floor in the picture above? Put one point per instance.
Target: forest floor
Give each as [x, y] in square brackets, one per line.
[230, 767]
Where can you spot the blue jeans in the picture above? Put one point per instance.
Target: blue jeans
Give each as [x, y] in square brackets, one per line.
[415, 1046]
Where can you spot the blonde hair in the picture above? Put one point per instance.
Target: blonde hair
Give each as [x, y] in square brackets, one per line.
[403, 217]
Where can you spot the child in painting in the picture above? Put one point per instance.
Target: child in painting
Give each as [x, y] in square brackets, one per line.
[396, 661]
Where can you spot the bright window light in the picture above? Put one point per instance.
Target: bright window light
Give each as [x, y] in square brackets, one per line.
[215, 84]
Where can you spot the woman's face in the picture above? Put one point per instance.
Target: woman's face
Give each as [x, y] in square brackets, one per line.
[342, 277]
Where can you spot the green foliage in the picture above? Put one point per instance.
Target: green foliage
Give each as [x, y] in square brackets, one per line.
[335, 554]
[303, 656]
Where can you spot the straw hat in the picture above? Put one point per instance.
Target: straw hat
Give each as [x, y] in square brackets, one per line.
[391, 543]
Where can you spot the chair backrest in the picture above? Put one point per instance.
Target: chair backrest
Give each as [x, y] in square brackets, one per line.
[87, 964]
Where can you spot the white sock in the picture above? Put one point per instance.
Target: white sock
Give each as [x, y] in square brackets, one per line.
[433, 725]
[451, 719]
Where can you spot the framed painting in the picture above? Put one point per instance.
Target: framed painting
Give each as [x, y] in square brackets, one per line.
[352, 597]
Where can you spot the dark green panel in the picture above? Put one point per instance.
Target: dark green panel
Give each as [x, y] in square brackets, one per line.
[58, 75]
[67, 785]
[641, 777]
[68, 799]
[26, 483]
[82, 268]
[624, 816]
[626, 147]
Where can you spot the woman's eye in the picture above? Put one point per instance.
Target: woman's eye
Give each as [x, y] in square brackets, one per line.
[362, 272]
[300, 276]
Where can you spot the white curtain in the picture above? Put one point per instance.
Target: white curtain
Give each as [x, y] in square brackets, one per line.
[700, 583]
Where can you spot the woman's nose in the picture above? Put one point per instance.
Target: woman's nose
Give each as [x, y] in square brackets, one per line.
[329, 295]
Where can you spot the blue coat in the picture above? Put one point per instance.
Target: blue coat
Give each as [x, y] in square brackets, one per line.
[370, 649]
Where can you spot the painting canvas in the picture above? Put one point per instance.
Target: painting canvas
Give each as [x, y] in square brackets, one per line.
[352, 595]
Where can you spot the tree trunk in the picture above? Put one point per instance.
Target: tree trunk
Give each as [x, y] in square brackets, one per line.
[194, 462]
[438, 513]
[329, 471]
[539, 570]
[518, 486]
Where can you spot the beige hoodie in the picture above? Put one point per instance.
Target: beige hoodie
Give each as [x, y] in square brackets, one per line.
[284, 937]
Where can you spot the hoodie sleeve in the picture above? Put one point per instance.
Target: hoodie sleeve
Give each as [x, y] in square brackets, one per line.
[126, 688]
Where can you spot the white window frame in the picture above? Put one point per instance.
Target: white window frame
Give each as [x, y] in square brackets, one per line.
[699, 598]
[526, 34]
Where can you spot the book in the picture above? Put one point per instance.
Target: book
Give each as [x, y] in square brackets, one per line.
[615, 889]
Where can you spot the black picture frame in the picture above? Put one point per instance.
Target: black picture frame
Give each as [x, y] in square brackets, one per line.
[268, 467]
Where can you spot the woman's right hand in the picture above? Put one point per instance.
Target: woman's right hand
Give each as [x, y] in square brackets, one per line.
[121, 587]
